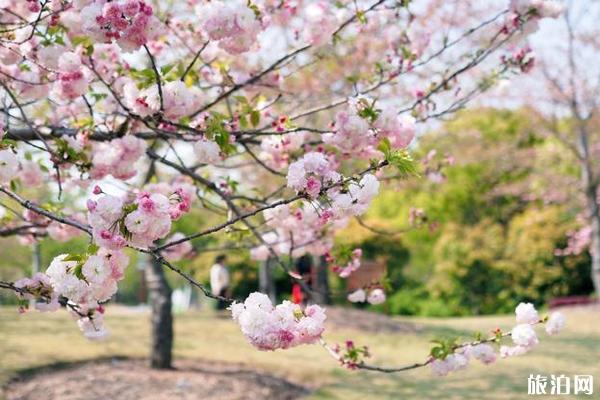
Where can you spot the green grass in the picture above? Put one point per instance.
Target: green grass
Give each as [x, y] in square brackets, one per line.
[33, 340]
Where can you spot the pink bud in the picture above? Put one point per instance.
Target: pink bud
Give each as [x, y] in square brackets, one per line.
[91, 205]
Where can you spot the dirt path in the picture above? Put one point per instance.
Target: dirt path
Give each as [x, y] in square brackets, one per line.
[132, 380]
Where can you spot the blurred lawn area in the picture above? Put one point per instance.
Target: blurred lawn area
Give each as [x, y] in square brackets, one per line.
[34, 339]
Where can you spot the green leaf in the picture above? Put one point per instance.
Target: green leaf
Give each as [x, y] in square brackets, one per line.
[78, 271]
[403, 162]
[385, 147]
[92, 249]
[73, 257]
[362, 18]
[255, 118]
[165, 69]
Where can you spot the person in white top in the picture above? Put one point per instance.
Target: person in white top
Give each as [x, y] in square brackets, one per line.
[219, 280]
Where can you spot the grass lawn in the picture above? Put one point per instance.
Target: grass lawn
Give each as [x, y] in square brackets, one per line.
[32, 340]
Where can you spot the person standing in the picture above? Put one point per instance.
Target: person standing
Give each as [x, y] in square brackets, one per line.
[219, 280]
[304, 268]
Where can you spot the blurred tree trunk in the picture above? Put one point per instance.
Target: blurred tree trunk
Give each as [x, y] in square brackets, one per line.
[320, 282]
[161, 318]
[590, 184]
[266, 283]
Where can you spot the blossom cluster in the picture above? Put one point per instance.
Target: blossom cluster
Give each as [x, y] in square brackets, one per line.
[310, 173]
[178, 251]
[129, 23]
[351, 266]
[84, 281]
[9, 165]
[373, 296]
[356, 198]
[319, 22]
[276, 150]
[531, 11]
[117, 157]
[116, 222]
[460, 360]
[28, 172]
[286, 325]
[541, 8]
[39, 288]
[301, 227]
[232, 23]
[178, 100]
[72, 81]
[359, 129]
[523, 336]
[207, 151]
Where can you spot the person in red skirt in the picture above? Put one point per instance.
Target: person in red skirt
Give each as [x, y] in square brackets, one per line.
[304, 267]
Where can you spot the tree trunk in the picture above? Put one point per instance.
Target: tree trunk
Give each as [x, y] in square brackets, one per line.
[595, 253]
[320, 283]
[266, 284]
[161, 319]
[590, 185]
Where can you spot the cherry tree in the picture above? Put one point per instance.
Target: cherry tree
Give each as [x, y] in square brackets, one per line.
[277, 117]
[567, 97]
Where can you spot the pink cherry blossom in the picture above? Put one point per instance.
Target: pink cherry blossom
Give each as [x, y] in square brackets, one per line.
[524, 335]
[72, 81]
[178, 251]
[526, 314]
[358, 296]
[269, 328]
[207, 152]
[314, 166]
[117, 157]
[555, 323]
[231, 23]
[9, 166]
[129, 23]
[376, 296]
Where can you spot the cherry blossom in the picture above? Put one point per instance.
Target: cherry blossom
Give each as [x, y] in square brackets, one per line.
[178, 251]
[482, 352]
[72, 81]
[310, 173]
[130, 23]
[178, 99]
[232, 23]
[276, 150]
[117, 158]
[542, 8]
[555, 323]
[286, 325]
[357, 296]
[320, 22]
[39, 287]
[93, 327]
[351, 266]
[526, 314]
[31, 173]
[9, 166]
[451, 363]
[376, 296]
[207, 152]
[356, 199]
